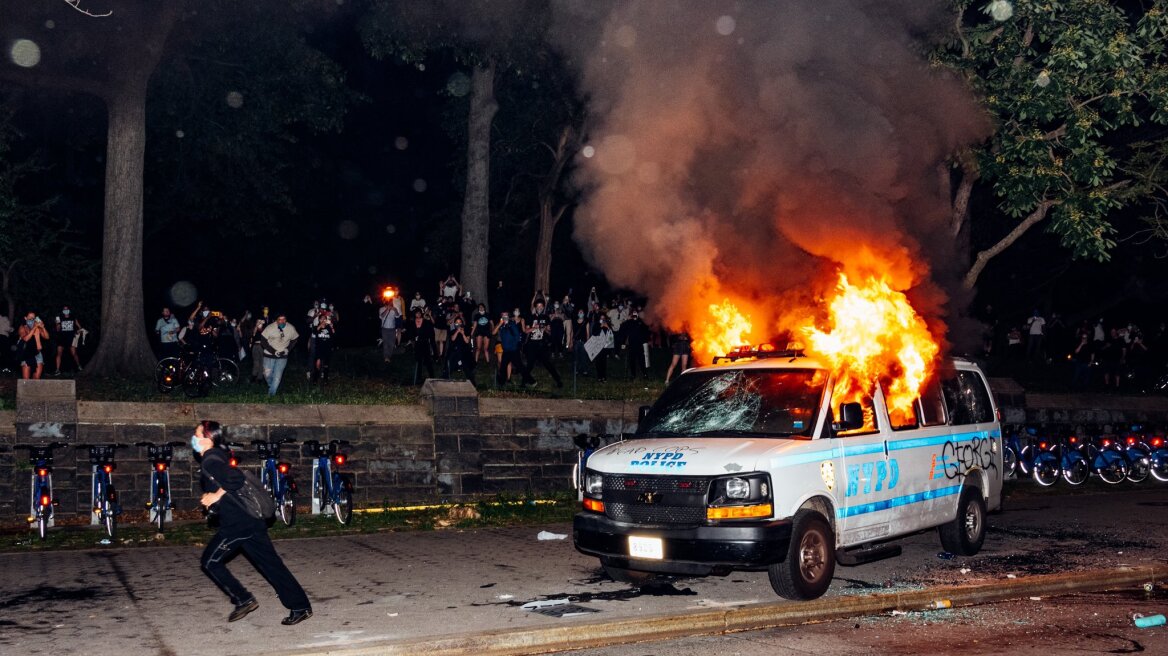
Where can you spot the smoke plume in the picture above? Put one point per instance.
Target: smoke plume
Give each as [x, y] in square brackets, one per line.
[751, 150]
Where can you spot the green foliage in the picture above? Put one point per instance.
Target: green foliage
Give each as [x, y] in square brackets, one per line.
[39, 253]
[228, 112]
[1069, 84]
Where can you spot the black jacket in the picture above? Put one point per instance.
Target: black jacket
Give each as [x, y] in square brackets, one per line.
[216, 473]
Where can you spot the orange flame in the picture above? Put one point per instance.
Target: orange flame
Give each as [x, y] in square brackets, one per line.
[726, 329]
[874, 331]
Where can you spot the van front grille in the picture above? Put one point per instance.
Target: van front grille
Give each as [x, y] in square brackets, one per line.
[655, 500]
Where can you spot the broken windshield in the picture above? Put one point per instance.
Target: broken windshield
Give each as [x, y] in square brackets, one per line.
[766, 403]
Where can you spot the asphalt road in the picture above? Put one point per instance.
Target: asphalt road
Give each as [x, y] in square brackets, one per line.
[401, 586]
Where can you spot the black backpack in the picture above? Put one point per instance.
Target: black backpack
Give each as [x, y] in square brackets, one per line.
[252, 497]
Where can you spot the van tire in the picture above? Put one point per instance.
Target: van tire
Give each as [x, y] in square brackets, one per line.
[966, 532]
[807, 570]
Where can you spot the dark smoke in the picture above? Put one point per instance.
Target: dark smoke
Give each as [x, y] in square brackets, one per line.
[751, 149]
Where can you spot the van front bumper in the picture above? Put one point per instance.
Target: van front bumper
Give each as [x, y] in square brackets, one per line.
[694, 551]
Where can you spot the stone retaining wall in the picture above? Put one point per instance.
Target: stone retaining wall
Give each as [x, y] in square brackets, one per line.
[454, 446]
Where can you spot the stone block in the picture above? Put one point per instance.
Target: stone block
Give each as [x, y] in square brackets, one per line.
[496, 457]
[553, 442]
[472, 484]
[417, 478]
[448, 397]
[539, 457]
[46, 431]
[446, 424]
[417, 434]
[347, 433]
[511, 442]
[131, 434]
[493, 471]
[469, 443]
[509, 485]
[446, 444]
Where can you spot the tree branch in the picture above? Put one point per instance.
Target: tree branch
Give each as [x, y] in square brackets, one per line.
[985, 256]
[76, 4]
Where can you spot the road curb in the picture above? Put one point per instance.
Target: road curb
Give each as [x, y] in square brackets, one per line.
[576, 635]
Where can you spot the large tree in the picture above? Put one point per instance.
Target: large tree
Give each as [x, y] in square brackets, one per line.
[1072, 85]
[114, 59]
[490, 39]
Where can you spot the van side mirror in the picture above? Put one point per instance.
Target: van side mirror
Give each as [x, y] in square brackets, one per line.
[851, 417]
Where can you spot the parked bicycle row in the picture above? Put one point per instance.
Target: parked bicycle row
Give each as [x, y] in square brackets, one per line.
[1050, 453]
[332, 489]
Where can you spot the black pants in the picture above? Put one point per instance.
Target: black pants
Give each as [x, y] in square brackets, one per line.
[509, 358]
[257, 546]
[601, 363]
[636, 355]
[424, 359]
[537, 352]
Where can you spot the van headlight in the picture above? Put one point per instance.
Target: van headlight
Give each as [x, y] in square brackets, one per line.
[740, 497]
[594, 485]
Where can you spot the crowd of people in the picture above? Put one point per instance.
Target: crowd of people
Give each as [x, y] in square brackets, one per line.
[455, 332]
[1099, 354]
[34, 344]
[449, 334]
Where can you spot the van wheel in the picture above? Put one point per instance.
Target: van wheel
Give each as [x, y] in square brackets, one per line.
[635, 577]
[966, 532]
[807, 570]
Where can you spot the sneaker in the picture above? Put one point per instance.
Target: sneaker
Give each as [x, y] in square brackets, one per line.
[242, 610]
[296, 617]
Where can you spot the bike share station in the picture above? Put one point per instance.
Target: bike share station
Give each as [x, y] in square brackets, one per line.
[46, 412]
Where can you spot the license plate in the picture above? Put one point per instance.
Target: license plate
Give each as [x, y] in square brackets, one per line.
[650, 548]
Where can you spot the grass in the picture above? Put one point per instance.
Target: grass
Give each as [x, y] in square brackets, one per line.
[192, 530]
[360, 377]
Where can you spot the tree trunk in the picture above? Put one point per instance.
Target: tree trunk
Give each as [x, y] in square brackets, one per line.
[547, 218]
[476, 216]
[123, 349]
[985, 256]
[543, 250]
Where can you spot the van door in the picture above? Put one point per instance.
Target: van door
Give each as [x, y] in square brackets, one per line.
[862, 457]
[920, 447]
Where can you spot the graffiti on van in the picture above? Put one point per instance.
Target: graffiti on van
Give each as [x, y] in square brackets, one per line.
[958, 458]
[876, 476]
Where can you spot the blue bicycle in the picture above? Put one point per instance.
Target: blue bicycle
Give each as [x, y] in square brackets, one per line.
[41, 502]
[334, 489]
[160, 503]
[1062, 458]
[277, 478]
[104, 500]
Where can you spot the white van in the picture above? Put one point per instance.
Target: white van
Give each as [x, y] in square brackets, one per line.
[748, 465]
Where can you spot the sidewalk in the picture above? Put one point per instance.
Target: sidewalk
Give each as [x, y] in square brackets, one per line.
[395, 592]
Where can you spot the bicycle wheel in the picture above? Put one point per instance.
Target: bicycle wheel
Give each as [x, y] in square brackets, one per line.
[1046, 469]
[166, 375]
[1026, 460]
[1139, 465]
[1159, 465]
[1075, 468]
[1009, 463]
[227, 374]
[110, 520]
[343, 507]
[1111, 465]
[287, 508]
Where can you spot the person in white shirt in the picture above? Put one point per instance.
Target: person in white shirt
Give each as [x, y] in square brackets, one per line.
[390, 318]
[1037, 329]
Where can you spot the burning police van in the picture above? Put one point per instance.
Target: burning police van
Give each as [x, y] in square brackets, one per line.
[747, 464]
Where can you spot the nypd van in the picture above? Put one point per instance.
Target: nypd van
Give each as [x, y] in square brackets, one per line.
[749, 465]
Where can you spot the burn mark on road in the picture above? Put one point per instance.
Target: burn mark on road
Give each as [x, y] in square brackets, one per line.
[53, 594]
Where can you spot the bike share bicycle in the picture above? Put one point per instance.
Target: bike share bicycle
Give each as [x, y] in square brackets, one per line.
[1060, 457]
[160, 504]
[41, 502]
[196, 370]
[104, 498]
[277, 478]
[331, 490]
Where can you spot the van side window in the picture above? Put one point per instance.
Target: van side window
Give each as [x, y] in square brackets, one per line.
[967, 399]
[931, 407]
[869, 408]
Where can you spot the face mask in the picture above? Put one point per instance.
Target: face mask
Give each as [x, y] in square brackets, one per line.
[64, 313]
[579, 315]
[280, 325]
[195, 444]
[206, 313]
[30, 322]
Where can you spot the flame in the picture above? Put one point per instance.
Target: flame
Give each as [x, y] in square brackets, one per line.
[725, 329]
[874, 331]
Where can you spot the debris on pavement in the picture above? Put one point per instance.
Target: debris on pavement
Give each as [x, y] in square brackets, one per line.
[557, 608]
[1036, 599]
[965, 570]
[1148, 621]
[548, 535]
[945, 555]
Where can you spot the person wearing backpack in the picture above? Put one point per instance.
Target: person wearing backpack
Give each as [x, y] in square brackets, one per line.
[225, 492]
